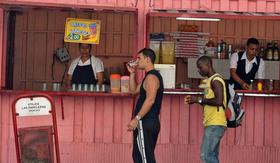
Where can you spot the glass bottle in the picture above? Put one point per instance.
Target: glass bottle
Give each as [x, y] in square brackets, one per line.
[219, 51]
[262, 52]
[269, 51]
[251, 84]
[229, 51]
[223, 49]
[275, 51]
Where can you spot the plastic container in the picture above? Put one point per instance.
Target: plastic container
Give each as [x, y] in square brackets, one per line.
[125, 84]
[115, 80]
[167, 52]
[155, 45]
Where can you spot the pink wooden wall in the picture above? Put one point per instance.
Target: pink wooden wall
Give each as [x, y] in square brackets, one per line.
[143, 7]
[94, 131]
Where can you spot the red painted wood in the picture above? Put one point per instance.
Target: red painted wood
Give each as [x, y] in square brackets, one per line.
[268, 122]
[2, 48]
[108, 119]
[225, 5]
[174, 120]
[249, 121]
[276, 120]
[261, 6]
[99, 120]
[252, 6]
[165, 121]
[88, 119]
[259, 122]
[183, 121]
[94, 130]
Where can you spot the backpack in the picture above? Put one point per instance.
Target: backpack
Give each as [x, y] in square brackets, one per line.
[234, 112]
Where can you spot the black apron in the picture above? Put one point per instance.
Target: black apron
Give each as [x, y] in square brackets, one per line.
[84, 74]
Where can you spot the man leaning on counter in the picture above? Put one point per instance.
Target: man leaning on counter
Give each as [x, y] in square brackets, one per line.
[86, 69]
[245, 66]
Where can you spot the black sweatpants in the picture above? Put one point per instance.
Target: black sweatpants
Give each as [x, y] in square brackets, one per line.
[145, 140]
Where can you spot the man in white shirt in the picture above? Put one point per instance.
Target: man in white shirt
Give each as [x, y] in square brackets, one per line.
[245, 66]
[86, 69]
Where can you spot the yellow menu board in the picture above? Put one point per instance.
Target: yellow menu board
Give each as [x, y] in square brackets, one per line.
[82, 31]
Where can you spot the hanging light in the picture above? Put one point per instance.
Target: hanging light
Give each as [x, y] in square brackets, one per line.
[198, 19]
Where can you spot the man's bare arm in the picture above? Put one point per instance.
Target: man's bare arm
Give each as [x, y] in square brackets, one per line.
[237, 79]
[151, 85]
[218, 89]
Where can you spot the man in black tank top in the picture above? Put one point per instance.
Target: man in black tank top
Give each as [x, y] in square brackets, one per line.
[145, 124]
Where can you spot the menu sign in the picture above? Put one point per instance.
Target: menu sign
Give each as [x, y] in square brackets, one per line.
[33, 106]
[82, 31]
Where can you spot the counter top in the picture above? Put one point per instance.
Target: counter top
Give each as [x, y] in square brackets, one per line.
[68, 93]
[252, 93]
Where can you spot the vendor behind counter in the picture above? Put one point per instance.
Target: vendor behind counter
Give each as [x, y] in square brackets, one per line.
[245, 66]
[86, 69]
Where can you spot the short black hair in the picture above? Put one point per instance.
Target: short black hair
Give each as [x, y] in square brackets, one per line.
[253, 41]
[148, 53]
[80, 44]
[205, 59]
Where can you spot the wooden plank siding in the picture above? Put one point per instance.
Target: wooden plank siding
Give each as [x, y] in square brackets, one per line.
[220, 5]
[95, 130]
[40, 32]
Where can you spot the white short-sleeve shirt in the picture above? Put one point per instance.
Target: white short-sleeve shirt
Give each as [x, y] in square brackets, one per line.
[249, 64]
[96, 63]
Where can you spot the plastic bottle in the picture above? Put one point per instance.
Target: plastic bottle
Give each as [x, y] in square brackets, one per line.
[115, 80]
[260, 86]
[125, 84]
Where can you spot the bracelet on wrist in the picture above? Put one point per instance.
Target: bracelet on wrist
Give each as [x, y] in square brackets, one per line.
[199, 100]
[137, 117]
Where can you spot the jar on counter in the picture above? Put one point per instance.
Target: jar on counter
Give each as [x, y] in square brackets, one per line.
[115, 80]
[125, 84]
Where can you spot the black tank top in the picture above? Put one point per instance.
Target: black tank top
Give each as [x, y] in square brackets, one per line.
[155, 109]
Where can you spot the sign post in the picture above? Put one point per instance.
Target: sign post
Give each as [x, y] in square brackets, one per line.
[35, 105]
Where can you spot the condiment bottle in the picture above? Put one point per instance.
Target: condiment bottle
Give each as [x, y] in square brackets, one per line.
[270, 85]
[275, 51]
[260, 86]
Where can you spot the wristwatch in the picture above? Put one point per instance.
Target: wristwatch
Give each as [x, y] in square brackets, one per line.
[199, 100]
[138, 118]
